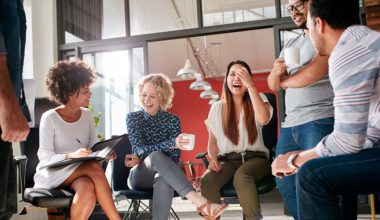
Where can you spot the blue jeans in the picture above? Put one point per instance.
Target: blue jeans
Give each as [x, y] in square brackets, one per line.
[301, 137]
[319, 181]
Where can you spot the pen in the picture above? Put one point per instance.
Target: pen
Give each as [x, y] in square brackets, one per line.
[80, 142]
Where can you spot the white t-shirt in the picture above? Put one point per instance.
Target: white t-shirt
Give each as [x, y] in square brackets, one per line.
[215, 125]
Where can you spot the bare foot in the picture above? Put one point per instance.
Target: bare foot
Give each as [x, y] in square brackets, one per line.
[211, 210]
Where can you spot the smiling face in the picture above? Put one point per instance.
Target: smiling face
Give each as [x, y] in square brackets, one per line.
[82, 97]
[150, 99]
[299, 16]
[234, 83]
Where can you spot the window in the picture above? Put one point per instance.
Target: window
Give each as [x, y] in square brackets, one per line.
[155, 16]
[86, 20]
[218, 12]
[117, 73]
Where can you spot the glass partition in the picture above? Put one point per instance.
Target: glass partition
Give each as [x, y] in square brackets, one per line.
[218, 12]
[284, 6]
[147, 16]
[112, 93]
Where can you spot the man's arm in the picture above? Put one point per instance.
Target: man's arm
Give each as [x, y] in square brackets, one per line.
[308, 74]
[12, 122]
[278, 71]
[280, 166]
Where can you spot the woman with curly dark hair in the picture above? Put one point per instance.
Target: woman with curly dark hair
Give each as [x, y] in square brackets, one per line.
[68, 131]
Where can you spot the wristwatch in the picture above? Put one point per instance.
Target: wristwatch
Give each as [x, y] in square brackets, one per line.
[290, 161]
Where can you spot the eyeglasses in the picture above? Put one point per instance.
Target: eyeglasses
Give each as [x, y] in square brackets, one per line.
[298, 6]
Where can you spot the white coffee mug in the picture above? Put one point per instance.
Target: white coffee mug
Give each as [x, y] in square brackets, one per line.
[190, 145]
[292, 56]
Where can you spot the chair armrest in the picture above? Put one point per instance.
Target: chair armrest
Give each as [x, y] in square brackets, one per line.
[20, 162]
[203, 157]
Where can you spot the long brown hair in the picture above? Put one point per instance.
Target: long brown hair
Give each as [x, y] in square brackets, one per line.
[230, 126]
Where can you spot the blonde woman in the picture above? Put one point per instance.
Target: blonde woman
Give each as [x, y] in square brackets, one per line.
[156, 139]
[235, 146]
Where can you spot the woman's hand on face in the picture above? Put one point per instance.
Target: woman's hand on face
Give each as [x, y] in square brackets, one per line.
[181, 141]
[214, 165]
[81, 152]
[245, 77]
[131, 160]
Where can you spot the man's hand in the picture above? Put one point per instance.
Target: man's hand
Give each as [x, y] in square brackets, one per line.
[131, 160]
[277, 74]
[280, 166]
[13, 123]
[279, 67]
[214, 165]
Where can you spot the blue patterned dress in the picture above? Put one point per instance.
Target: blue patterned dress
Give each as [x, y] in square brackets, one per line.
[154, 133]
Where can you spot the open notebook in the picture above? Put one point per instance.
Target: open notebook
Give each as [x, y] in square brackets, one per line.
[101, 151]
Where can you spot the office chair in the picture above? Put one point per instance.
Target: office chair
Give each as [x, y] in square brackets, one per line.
[270, 140]
[27, 163]
[121, 190]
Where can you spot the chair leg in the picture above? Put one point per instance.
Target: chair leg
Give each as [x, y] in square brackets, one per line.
[135, 209]
[66, 213]
[372, 202]
[174, 214]
[127, 213]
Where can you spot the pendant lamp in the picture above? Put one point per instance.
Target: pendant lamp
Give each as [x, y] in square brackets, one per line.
[200, 83]
[209, 94]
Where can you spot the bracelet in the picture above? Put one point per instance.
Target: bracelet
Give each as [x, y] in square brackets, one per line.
[291, 160]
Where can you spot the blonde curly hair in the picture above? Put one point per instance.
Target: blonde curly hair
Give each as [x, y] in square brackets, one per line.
[164, 88]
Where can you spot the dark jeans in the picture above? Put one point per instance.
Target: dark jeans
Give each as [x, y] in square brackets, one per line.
[321, 180]
[301, 137]
[8, 184]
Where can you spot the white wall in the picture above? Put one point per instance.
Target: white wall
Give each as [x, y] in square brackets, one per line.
[44, 35]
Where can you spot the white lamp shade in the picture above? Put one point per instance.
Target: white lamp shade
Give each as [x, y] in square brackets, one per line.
[209, 94]
[200, 84]
[187, 71]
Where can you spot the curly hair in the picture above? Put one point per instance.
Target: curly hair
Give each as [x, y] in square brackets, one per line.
[164, 88]
[65, 78]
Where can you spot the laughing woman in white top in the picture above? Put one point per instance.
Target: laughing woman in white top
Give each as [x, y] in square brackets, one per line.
[235, 144]
[68, 83]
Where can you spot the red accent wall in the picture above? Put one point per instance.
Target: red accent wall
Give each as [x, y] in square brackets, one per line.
[192, 110]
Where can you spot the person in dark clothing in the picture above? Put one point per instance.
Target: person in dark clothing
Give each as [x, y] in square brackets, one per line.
[13, 124]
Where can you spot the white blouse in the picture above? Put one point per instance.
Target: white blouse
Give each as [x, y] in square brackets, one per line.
[214, 124]
[58, 137]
